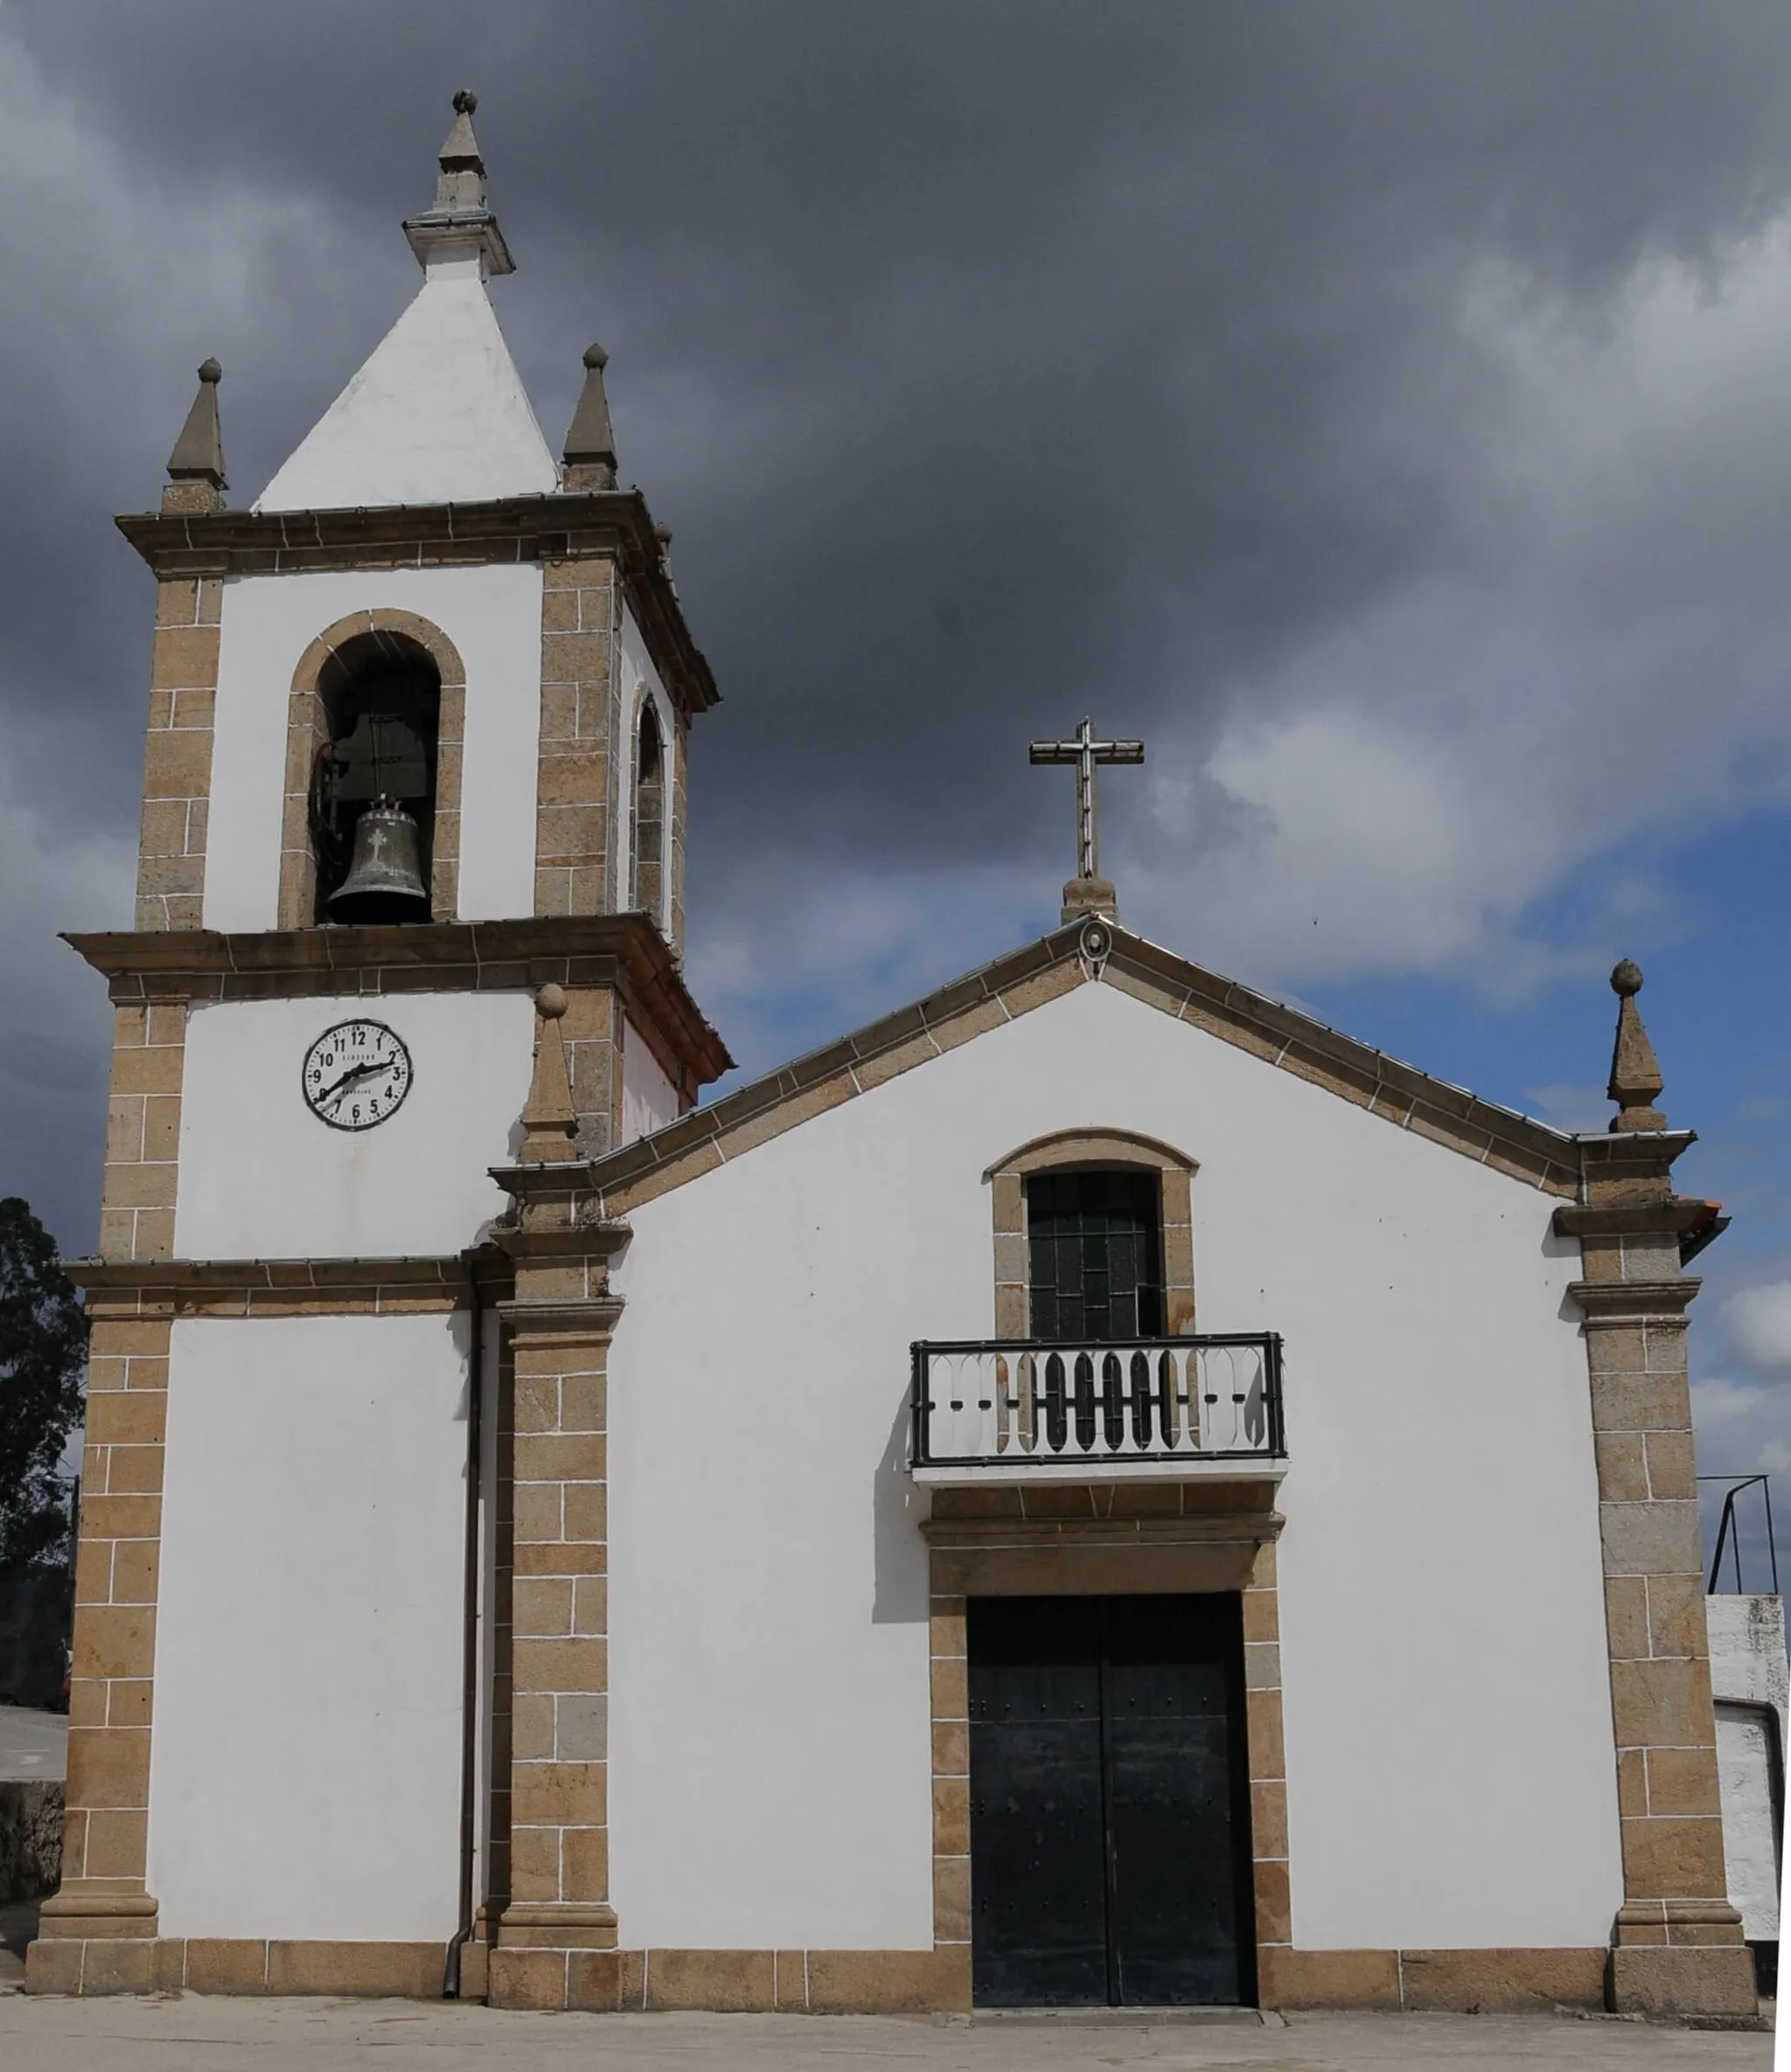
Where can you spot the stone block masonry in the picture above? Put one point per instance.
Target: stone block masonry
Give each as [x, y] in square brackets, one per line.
[556, 1935]
[581, 609]
[100, 1922]
[171, 883]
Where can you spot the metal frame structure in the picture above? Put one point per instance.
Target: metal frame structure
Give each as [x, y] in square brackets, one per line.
[1727, 1524]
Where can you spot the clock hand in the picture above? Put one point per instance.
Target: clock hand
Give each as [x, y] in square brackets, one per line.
[354, 1072]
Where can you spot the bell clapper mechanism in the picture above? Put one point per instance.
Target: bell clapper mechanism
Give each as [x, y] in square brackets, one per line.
[363, 832]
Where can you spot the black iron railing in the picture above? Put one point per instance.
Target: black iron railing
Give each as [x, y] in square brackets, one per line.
[1729, 1534]
[1007, 1402]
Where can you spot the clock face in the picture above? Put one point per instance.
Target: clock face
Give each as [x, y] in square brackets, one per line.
[355, 1074]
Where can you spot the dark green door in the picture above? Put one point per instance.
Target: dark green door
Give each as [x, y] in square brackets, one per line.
[1109, 1797]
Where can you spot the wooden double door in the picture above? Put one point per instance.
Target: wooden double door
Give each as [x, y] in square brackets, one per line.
[1110, 1802]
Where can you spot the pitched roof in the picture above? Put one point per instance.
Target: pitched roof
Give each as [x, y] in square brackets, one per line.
[1405, 1097]
[437, 414]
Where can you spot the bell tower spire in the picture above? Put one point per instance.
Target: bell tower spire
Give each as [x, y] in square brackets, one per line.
[459, 226]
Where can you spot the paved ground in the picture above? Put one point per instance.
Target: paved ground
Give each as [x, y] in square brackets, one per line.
[178, 2033]
[32, 1744]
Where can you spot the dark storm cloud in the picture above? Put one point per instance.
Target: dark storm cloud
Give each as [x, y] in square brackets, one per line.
[993, 362]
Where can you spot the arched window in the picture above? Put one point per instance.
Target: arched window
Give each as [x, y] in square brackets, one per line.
[381, 698]
[1094, 1237]
[647, 868]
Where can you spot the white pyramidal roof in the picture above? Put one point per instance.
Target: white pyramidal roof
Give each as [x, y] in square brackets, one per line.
[438, 414]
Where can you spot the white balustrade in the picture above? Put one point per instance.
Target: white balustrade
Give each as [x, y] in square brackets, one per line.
[1162, 1398]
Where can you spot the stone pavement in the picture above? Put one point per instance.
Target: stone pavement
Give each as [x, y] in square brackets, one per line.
[182, 2031]
[32, 1744]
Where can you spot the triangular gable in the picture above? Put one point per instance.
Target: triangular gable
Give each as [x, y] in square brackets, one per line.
[438, 414]
[1406, 1099]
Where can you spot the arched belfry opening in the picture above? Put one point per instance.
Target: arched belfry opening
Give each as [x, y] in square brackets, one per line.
[372, 784]
[647, 865]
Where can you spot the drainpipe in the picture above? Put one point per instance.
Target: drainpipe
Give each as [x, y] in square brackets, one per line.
[470, 1654]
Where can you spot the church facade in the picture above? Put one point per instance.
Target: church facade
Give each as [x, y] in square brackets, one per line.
[1093, 1489]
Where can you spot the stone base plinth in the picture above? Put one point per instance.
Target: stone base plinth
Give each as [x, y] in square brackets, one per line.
[1662, 1980]
[89, 1965]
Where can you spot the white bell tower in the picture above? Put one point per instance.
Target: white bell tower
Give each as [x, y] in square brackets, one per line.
[410, 907]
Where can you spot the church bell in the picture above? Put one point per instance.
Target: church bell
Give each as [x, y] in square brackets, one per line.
[385, 880]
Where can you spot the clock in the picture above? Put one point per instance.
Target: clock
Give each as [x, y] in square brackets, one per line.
[355, 1074]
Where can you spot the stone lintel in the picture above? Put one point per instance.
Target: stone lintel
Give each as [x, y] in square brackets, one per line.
[1097, 1532]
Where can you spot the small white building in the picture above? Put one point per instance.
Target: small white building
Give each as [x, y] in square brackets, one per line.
[1093, 1489]
[1749, 1681]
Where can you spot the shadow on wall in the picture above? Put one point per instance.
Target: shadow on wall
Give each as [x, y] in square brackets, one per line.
[901, 1592]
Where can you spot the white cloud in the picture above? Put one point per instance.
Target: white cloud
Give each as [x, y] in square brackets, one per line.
[134, 274]
[54, 1018]
[1743, 1427]
[1607, 658]
[1569, 1105]
[1758, 1320]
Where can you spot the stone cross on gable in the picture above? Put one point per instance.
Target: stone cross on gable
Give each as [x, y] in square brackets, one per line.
[1088, 892]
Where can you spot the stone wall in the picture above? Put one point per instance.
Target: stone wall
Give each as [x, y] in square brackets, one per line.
[31, 1838]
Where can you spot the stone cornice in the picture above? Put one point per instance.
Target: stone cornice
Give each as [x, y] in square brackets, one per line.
[1512, 1142]
[1622, 1301]
[217, 543]
[270, 1288]
[1400, 1095]
[1672, 1217]
[625, 951]
[576, 1240]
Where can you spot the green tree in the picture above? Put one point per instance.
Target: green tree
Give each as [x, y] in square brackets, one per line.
[43, 1358]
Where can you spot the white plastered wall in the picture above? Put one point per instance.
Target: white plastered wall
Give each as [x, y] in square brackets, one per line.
[649, 1098]
[1748, 1679]
[640, 681]
[1447, 1711]
[304, 1769]
[493, 616]
[262, 1177]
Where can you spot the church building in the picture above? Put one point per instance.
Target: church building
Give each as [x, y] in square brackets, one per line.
[1093, 1489]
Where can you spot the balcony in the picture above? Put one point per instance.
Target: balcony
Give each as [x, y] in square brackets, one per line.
[1135, 1409]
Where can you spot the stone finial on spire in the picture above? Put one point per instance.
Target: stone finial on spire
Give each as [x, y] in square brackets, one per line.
[549, 1121]
[460, 226]
[590, 444]
[1636, 1073]
[460, 151]
[196, 480]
